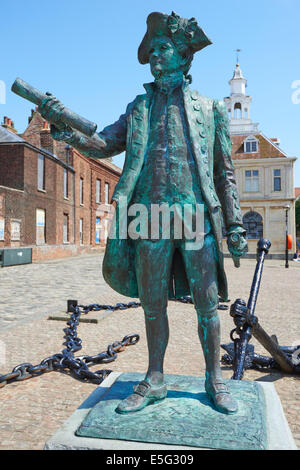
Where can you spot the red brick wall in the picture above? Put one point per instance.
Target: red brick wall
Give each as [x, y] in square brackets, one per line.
[82, 169]
[19, 168]
[47, 142]
[11, 208]
[12, 165]
[32, 132]
[51, 199]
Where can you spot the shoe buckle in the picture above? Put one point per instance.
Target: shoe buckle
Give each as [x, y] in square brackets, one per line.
[221, 388]
[142, 388]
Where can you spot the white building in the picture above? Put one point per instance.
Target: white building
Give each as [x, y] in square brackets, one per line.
[264, 174]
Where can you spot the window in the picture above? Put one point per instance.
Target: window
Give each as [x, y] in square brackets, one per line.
[251, 145]
[15, 227]
[251, 181]
[106, 193]
[81, 231]
[40, 226]
[98, 191]
[66, 229]
[41, 172]
[277, 180]
[253, 224]
[2, 228]
[98, 230]
[81, 191]
[66, 189]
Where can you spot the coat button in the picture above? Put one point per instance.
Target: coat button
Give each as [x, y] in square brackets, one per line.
[197, 107]
[199, 120]
[202, 132]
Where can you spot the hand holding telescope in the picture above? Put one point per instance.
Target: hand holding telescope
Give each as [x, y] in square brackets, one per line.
[52, 109]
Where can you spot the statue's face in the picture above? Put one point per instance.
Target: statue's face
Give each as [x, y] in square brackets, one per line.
[164, 57]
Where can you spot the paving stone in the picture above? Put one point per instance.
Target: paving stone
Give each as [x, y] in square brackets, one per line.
[41, 405]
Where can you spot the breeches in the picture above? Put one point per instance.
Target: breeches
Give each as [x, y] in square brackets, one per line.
[153, 261]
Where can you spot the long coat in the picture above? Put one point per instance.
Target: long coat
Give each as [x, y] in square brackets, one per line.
[209, 134]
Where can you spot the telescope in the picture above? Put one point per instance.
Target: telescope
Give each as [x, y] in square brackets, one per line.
[28, 92]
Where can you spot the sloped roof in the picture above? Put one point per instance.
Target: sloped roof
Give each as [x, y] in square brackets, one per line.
[9, 137]
[32, 135]
[266, 148]
[297, 193]
[111, 165]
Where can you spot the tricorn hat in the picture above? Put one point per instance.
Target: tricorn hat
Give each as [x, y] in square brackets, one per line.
[186, 34]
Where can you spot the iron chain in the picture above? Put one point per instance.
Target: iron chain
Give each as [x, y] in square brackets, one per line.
[79, 366]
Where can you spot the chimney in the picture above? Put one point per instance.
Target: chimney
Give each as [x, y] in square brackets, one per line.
[9, 124]
[47, 142]
[31, 116]
[276, 141]
[46, 127]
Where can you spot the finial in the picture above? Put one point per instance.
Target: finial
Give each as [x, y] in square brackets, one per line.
[237, 56]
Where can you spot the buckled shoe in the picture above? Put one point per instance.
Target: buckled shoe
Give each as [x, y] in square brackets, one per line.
[221, 397]
[143, 395]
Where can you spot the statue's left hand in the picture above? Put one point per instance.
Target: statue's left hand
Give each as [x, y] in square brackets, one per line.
[237, 243]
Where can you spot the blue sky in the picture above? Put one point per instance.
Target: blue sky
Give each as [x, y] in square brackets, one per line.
[86, 54]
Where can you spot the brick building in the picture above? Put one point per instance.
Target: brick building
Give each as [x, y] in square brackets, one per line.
[264, 175]
[52, 198]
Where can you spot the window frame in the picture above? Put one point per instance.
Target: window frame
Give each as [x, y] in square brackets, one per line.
[66, 183]
[276, 178]
[251, 179]
[81, 198]
[106, 192]
[259, 222]
[19, 222]
[40, 210]
[41, 158]
[98, 191]
[81, 231]
[251, 141]
[98, 230]
[66, 217]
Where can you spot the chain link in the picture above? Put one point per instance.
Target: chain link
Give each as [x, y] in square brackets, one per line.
[79, 366]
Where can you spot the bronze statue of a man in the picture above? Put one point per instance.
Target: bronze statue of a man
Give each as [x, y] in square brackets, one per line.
[178, 151]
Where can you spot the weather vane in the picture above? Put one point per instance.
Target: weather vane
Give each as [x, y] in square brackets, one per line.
[237, 55]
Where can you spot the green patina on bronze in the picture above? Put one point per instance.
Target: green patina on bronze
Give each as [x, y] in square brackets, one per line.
[186, 417]
[178, 150]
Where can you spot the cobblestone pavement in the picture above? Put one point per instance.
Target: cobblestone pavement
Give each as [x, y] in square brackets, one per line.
[32, 411]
